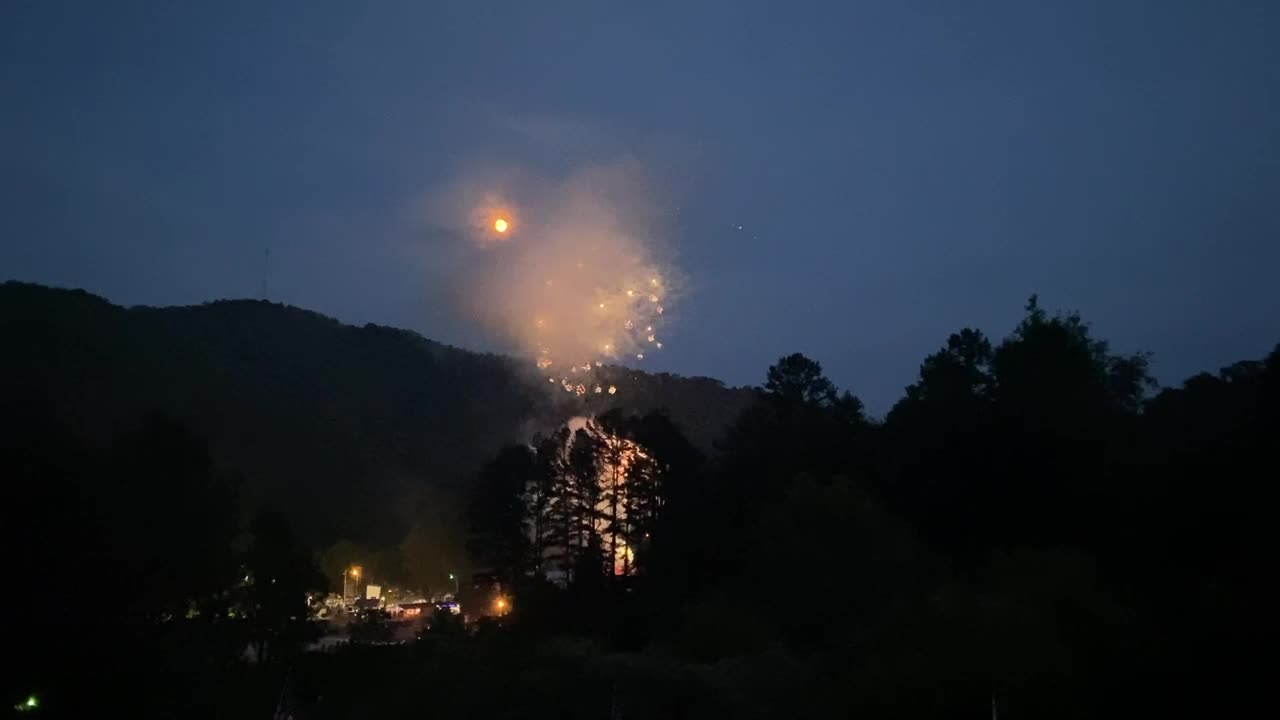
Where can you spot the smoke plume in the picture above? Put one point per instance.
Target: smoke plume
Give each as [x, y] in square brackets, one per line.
[570, 272]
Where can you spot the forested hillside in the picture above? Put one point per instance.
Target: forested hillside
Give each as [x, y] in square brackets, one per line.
[340, 426]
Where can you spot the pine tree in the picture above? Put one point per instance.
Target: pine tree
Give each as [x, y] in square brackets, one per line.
[582, 496]
[497, 513]
[615, 454]
[547, 503]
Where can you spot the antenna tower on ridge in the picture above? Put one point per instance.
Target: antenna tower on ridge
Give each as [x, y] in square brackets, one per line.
[266, 269]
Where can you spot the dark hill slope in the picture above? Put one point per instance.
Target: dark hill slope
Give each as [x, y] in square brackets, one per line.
[339, 425]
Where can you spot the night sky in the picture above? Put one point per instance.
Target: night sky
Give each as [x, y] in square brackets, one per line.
[899, 169]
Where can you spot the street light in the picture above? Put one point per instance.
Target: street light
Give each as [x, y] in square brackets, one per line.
[454, 578]
[355, 575]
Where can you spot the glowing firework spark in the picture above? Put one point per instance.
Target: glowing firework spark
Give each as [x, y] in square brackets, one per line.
[570, 269]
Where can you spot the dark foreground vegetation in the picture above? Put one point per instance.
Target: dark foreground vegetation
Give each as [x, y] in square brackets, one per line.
[1034, 531]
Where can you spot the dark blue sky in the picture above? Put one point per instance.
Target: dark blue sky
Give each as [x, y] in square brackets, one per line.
[900, 169]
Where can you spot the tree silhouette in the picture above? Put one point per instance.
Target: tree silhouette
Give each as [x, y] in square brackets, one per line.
[555, 506]
[280, 573]
[616, 456]
[582, 497]
[174, 519]
[148, 521]
[937, 439]
[665, 471]
[498, 540]
[434, 548]
[796, 379]
[1028, 531]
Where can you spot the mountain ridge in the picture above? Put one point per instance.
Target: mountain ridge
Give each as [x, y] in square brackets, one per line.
[339, 425]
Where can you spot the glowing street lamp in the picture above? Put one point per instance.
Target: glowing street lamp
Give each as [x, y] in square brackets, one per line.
[354, 574]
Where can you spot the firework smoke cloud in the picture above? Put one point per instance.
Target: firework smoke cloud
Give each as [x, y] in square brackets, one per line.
[570, 272]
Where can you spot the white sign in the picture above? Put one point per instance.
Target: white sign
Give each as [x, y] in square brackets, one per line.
[372, 592]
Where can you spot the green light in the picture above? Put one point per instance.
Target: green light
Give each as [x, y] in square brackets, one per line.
[450, 576]
[31, 703]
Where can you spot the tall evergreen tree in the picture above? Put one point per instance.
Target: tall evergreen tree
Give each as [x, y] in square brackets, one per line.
[616, 452]
[498, 541]
[584, 477]
[547, 507]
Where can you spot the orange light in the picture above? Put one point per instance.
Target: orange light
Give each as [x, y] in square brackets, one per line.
[500, 225]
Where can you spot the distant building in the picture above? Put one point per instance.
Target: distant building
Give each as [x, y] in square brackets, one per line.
[417, 609]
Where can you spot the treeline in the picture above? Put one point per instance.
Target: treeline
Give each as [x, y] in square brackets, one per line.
[1035, 530]
[136, 584]
[578, 504]
[349, 428]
